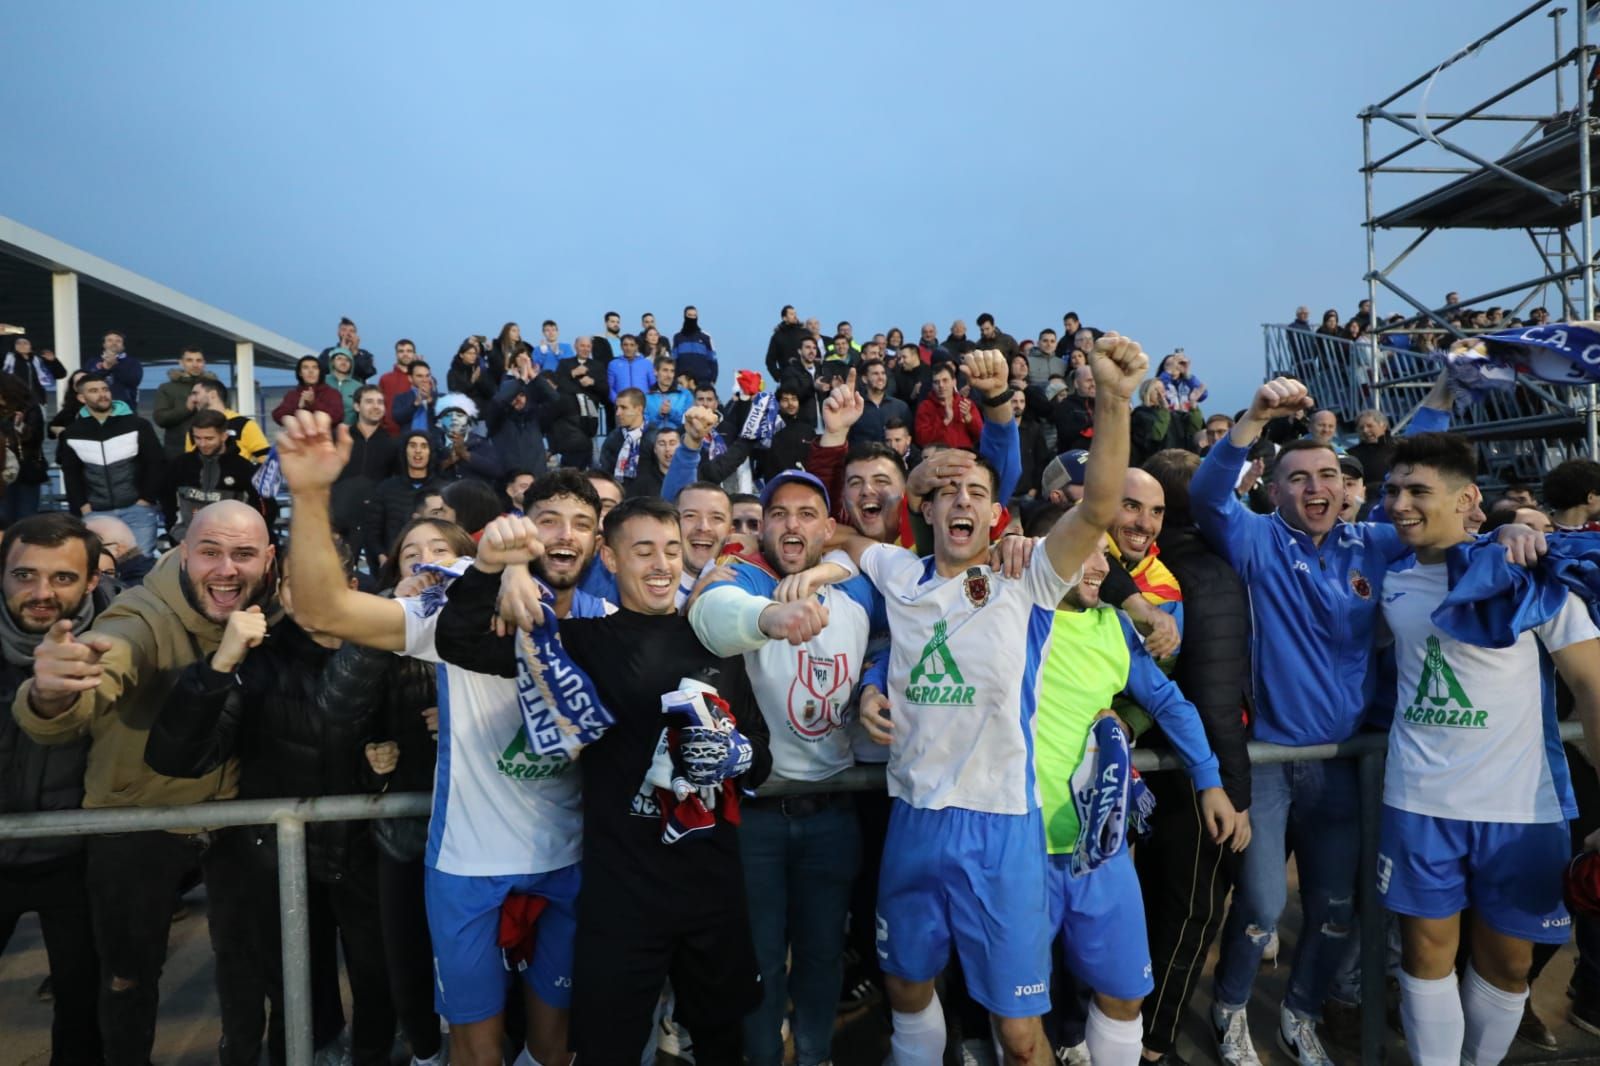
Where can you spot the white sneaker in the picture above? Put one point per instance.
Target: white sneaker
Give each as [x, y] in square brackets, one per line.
[1297, 1035]
[1076, 1055]
[1233, 1037]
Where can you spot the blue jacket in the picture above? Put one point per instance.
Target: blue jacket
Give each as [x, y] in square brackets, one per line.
[695, 357]
[410, 415]
[678, 402]
[624, 373]
[1492, 602]
[1313, 609]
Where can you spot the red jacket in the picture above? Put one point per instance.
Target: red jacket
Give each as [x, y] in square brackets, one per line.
[931, 427]
[393, 384]
[325, 398]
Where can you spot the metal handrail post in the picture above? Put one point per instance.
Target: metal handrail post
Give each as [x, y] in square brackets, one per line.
[1374, 943]
[1586, 199]
[294, 912]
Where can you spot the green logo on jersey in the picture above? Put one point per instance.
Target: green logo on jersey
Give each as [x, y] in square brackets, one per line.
[522, 763]
[936, 678]
[1440, 699]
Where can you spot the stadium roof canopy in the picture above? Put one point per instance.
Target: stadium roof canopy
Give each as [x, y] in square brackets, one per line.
[67, 299]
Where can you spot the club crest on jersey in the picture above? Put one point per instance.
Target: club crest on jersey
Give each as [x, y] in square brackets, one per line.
[976, 586]
[1360, 585]
[817, 694]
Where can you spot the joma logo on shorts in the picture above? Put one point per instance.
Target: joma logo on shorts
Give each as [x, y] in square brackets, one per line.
[1031, 990]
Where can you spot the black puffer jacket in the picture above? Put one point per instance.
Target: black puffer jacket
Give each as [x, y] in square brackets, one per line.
[38, 777]
[410, 687]
[1213, 667]
[297, 719]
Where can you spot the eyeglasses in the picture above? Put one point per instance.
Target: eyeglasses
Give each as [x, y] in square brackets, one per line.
[747, 525]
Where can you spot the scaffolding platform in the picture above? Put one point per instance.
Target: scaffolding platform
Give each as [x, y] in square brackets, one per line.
[1487, 199]
[1521, 159]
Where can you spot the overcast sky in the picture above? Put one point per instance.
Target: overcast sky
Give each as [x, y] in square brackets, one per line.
[1180, 172]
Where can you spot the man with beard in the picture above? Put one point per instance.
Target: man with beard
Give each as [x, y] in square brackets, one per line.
[211, 472]
[962, 866]
[663, 892]
[109, 684]
[1096, 659]
[705, 518]
[800, 851]
[49, 574]
[506, 819]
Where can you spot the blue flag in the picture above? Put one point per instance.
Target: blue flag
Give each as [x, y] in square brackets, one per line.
[1562, 353]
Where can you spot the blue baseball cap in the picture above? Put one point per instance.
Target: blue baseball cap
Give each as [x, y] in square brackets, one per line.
[800, 477]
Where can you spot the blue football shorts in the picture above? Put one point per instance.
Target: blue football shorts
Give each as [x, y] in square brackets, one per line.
[1509, 873]
[469, 971]
[975, 880]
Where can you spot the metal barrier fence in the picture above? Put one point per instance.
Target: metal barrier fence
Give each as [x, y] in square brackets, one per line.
[290, 817]
[1520, 433]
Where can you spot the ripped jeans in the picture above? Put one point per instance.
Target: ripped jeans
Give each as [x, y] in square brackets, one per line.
[1314, 809]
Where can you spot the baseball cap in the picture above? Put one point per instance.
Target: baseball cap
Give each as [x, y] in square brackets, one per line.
[801, 477]
[1065, 469]
[1350, 466]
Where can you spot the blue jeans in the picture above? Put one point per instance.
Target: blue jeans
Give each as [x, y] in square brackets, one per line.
[144, 520]
[1314, 808]
[798, 873]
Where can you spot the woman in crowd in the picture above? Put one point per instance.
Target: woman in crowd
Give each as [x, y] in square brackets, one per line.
[470, 374]
[400, 752]
[505, 349]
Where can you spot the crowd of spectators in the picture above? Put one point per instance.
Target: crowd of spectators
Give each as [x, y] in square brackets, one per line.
[679, 507]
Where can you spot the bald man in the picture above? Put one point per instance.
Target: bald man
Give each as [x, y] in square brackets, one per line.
[116, 537]
[1324, 427]
[108, 684]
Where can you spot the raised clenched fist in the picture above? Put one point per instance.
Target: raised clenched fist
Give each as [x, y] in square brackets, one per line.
[987, 372]
[1118, 365]
[1280, 398]
[698, 424]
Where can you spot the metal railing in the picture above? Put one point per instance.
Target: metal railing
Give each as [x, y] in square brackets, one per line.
[1520, 433]
[291, 815]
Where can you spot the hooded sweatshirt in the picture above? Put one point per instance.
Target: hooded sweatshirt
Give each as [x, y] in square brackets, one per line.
[154, 633]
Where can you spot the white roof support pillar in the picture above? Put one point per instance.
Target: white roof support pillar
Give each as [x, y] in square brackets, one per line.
[244, 377]
[64, 309]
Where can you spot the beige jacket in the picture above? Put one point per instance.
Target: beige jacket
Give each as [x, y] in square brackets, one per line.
[154, 633]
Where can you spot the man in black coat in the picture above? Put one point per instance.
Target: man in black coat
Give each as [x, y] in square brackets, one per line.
[1185, 877]
[49, 575]
[784, 347]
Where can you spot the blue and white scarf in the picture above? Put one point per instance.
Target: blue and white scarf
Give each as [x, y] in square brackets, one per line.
[40, 371]
[763, 421]
[1108, 795]
[269, 478]
[561, 709]
[627, 466]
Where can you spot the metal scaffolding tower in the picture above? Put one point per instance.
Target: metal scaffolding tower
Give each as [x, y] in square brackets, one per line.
[1540, 184]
